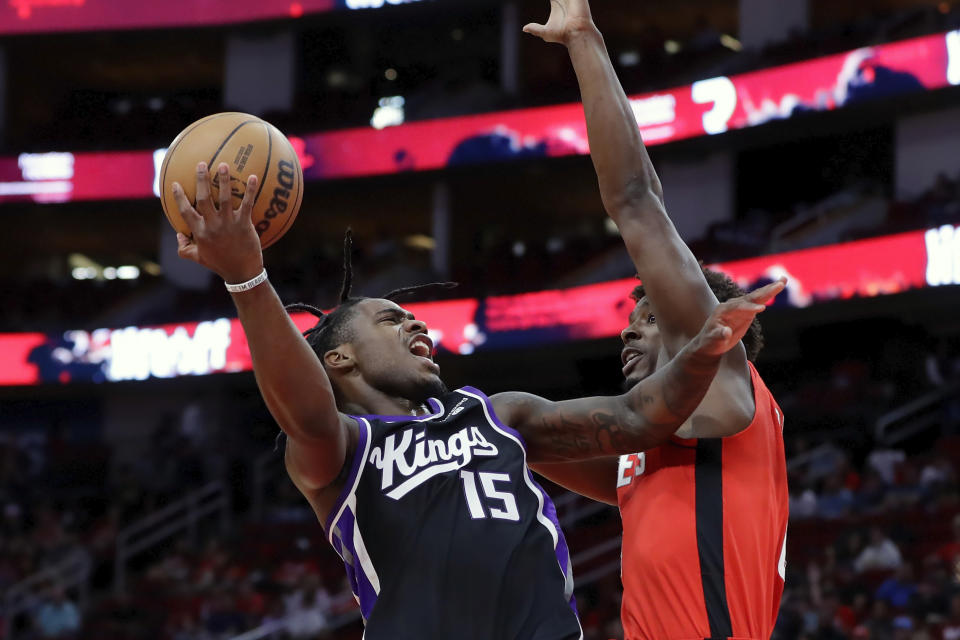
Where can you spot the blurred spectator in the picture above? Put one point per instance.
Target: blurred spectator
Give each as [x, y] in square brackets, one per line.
[899, 589]
[803, 500]
[951, 628]
[885, 461]
[221, 619]
[58, 617]
[880, 554]
[949, 551]
[872, 494]
[307, 608]
[879, 624]
[836, 499]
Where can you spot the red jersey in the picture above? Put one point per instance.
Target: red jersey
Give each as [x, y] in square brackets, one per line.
[704, 532]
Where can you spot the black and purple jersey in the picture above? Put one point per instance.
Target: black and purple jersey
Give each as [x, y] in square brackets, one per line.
[444, 533]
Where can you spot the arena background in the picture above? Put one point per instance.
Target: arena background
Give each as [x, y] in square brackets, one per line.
[141, 494]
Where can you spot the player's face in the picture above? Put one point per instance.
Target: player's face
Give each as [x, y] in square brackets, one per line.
[393, 351]
[641, 344]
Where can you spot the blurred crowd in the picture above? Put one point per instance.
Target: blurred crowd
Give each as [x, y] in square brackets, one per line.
[857, 211]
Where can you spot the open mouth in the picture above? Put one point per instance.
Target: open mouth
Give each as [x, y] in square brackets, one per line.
[422, 347]
[630, 357]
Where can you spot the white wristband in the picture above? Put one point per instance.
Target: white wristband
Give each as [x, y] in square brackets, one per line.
[249, 284]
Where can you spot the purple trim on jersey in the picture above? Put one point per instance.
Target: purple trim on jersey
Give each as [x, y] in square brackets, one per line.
[562, 551]
[434, 405]
[550, 511]
[355, 466]
[358, 579]
[495, 417]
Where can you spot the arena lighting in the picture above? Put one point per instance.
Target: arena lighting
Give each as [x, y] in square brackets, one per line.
[83, 273]
[128, 272]
[629, 58]
[376, 4]
[953, 53]
[389, 113]
[707, 107]
[731, 43]
[865, 268]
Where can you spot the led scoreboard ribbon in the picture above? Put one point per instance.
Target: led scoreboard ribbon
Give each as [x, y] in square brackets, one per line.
[865, 268]
[706, 107]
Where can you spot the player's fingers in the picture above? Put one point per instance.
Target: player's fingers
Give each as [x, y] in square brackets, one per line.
[186, 249]
[535, 29]
[720, 333]
[226, 188]
[768, 292]
[187, 212]
[204, 191]
[249, 196]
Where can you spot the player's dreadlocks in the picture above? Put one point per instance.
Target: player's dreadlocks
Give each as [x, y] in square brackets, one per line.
[725, 289]
[333, 329]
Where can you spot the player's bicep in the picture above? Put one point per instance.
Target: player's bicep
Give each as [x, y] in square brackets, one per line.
[595, 479]
[315, 462]
[568, 430]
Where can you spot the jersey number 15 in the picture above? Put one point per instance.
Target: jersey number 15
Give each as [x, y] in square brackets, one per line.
[501, 504]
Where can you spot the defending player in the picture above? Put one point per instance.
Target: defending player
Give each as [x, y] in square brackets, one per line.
[425, 494]
[704, 515]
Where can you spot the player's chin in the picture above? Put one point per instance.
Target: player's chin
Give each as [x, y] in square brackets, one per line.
[635, 378]
[431, 386]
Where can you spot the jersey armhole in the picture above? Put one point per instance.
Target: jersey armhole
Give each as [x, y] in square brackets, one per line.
[763, 401]
[360, 454]
[491, 414]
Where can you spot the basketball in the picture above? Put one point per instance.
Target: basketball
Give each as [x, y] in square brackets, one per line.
[248, 145]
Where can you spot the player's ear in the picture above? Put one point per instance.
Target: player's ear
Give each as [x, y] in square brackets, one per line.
[340, 360]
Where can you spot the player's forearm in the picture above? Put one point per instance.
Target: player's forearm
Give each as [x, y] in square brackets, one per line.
[291, 378]
[661, 403]
[628, 181]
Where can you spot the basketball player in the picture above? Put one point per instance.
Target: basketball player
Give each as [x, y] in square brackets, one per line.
[425, 494]
[704, 514]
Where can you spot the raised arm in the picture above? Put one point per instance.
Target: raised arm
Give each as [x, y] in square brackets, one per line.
[647, 415]
[629, 186]
[290, 376]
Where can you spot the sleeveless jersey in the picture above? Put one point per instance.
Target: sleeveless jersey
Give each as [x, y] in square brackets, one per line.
[704, 532]
[445, 535]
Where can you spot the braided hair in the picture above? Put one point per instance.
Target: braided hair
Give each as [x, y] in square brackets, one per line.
[333, 329]
[725, 289]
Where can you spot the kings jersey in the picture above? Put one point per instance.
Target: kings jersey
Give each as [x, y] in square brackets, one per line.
[704, 532]
[444, 533]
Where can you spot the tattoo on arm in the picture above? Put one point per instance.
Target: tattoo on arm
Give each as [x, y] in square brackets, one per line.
[641, 419]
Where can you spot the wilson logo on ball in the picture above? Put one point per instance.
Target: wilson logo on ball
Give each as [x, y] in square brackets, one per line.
[281, 195]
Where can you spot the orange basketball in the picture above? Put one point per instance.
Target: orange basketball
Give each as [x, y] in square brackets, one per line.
[248, 145]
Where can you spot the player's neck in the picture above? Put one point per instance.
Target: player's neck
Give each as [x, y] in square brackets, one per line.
[376, 403]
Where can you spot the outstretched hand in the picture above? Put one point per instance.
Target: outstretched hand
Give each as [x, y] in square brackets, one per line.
[731, 320]
[222, 238]
[567, 18]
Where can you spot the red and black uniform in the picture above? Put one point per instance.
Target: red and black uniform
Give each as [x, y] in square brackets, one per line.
[704, 532]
